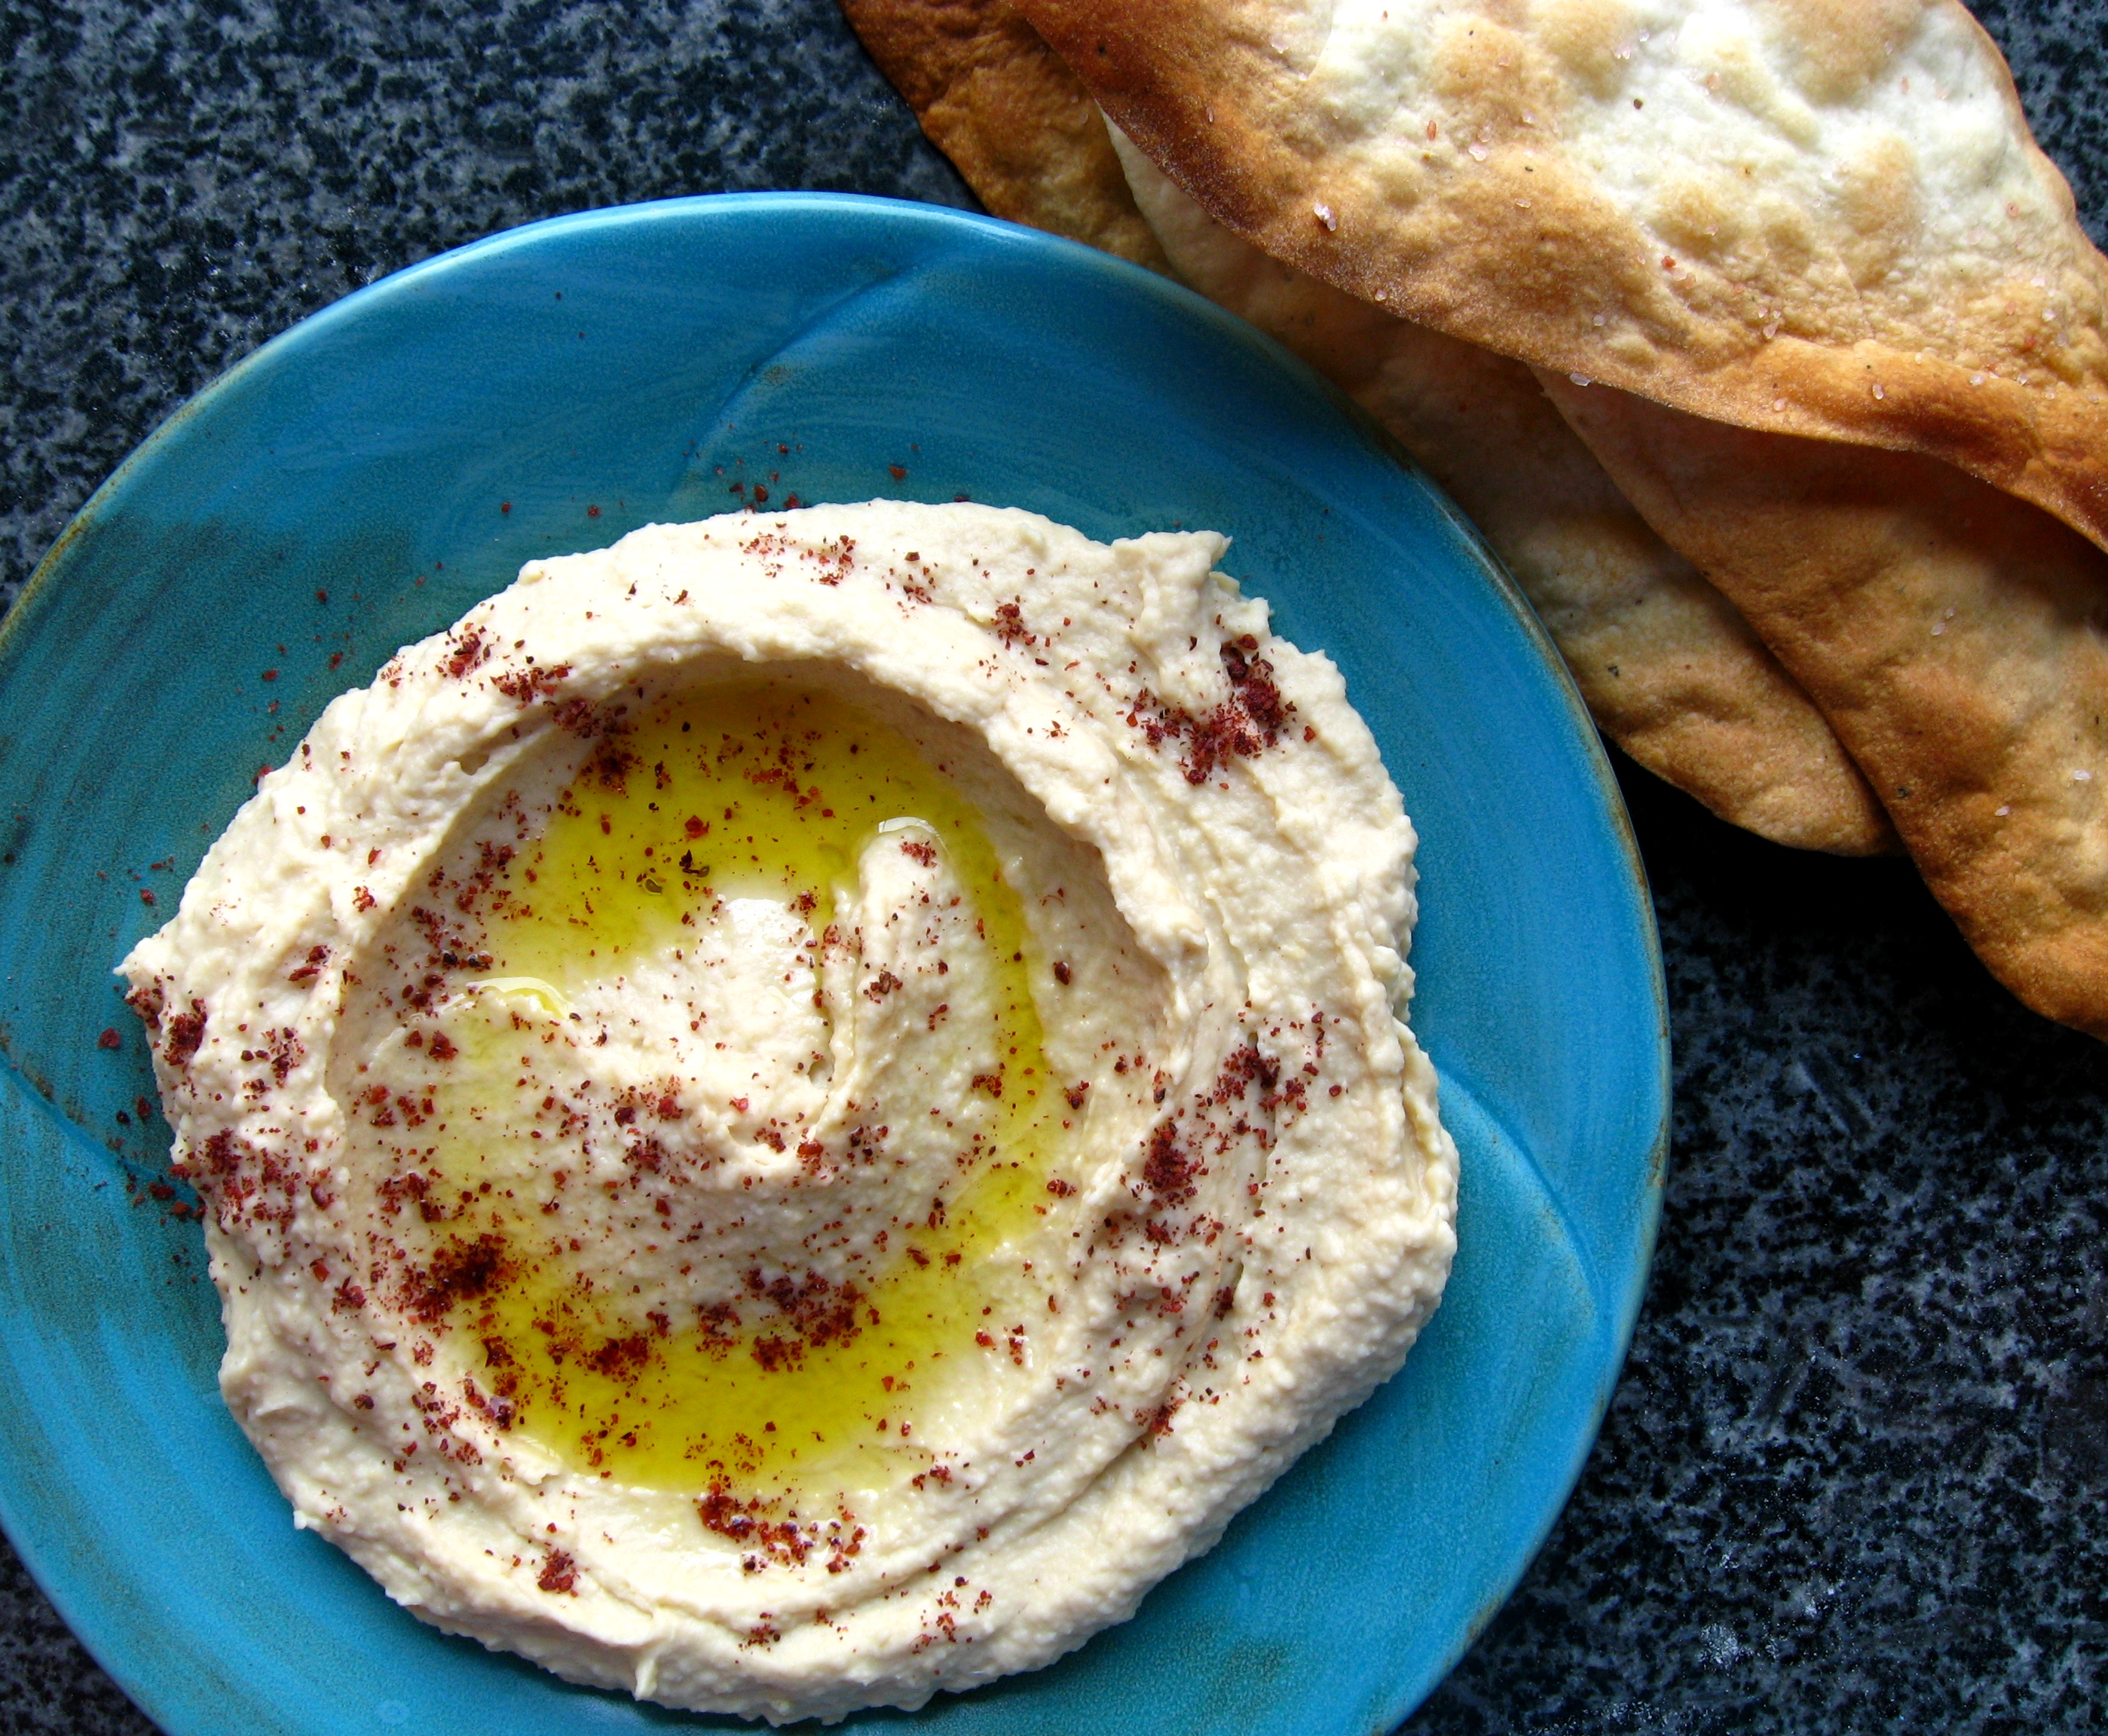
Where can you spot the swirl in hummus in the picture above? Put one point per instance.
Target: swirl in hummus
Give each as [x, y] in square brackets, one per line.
[798, 1109]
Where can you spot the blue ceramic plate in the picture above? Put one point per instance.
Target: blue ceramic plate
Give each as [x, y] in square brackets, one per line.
[358, 482]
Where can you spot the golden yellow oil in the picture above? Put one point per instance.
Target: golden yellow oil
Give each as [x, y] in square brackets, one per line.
[790, 783]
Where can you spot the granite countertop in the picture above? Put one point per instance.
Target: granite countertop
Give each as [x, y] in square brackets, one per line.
[1855, 1477]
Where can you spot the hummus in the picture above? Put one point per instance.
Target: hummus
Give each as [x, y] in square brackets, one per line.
[798, 1109]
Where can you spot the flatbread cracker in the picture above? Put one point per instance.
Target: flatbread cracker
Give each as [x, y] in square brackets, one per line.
[1823, 217]
[1015, 121]
[1668, 668]
[1955, 638]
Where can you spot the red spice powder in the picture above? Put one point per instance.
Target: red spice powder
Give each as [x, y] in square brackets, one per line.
[528, 685]
[186, 1032]
[1242, 727]
[1168, 1170]
[459, 1272]
[470, 652]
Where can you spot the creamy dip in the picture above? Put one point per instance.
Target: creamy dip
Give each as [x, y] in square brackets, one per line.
[796, 1110]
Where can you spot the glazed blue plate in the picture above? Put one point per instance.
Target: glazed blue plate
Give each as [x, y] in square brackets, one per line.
[360, 481]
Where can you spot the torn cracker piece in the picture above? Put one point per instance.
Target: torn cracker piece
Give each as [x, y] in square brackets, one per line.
[1667, 668]
[1955, 638]
[1015, 121]
[1824, 218]
[1670, 670]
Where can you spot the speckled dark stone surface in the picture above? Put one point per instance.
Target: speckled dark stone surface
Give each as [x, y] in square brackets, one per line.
[1856, 1477]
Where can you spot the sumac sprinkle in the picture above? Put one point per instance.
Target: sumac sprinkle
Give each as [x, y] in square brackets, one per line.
[186, 1032]
[459, 1272]
[1168, 1170]
[469, 651]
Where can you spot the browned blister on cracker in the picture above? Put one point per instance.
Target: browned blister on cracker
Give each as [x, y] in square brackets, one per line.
[1815, 216]
[1015, 121]
[1668, 668]
[1956, 639]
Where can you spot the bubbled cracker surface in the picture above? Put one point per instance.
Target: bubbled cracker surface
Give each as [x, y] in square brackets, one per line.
[1821, 217]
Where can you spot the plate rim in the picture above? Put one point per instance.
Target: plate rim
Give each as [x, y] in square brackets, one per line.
[40, 1559]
